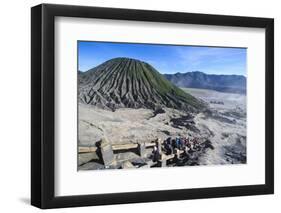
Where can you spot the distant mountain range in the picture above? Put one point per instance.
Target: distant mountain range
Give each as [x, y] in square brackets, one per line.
[125, 82]
[222, 83]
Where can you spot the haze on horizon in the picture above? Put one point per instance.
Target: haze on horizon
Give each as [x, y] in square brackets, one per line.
[167, 59]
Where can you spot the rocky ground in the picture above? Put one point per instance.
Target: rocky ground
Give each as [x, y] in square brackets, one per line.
[224, 124]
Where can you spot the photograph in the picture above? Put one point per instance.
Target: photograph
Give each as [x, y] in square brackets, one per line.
[160, 105]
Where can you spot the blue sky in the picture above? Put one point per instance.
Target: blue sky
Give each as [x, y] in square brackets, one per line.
[166, 58]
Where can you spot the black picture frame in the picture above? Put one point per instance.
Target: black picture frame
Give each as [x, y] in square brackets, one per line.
[43, 110]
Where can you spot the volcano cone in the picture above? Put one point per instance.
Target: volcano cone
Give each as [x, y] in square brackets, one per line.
[130, 83]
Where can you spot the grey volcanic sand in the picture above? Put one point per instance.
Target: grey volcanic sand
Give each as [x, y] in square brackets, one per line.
[227, 125]
[124, 125]
[224, 125]
[231, 100]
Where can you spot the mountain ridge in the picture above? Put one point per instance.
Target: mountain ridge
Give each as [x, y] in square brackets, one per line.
[197, 79]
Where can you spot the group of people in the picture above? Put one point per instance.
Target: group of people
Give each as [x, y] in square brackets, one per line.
[174, 145]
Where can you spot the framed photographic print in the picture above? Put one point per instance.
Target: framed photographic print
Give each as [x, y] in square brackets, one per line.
[139, 106]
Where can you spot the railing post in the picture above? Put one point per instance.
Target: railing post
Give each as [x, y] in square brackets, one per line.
[141, 149]
[107, 153]
[163, 160]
